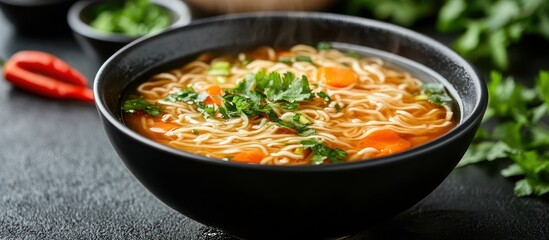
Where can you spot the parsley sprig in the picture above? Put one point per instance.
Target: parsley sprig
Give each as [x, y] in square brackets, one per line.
[519, 116]
[139, 104]
[322, 152]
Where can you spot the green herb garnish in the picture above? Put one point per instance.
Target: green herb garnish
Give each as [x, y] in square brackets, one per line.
[186, 95]
[133, 18]
[322, 152]
[520, 132]
[140, 104]
[285, 88]
[299, 123]
[434, 93]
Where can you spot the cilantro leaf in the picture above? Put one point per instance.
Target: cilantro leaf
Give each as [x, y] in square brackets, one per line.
[485, 151]
[516, 111]
[287, 88]
[322, 152]
[140, 104]
[536, 170]
[186, 95]
[434, 93]
[542, 86]
[299, 123]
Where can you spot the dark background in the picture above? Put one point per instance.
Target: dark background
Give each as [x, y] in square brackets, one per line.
[61, 179]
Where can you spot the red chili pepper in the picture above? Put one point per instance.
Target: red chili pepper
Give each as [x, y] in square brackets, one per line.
[46, 75]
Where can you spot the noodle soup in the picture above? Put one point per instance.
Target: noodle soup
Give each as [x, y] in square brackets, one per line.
[303, 105]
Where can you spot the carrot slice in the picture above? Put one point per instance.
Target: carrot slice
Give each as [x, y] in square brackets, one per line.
[253, 156]
[162, 127]
[214, 92]
[386, 141]
[336, 76]
[284, 54]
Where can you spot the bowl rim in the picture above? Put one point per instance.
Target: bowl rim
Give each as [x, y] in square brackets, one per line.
[35, 3]
[176, 7]
[466, 125]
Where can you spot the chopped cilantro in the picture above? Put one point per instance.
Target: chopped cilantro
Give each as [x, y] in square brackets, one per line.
[299, 123]
[140, 104]
[186, 95]
[325, 96]
[290, 106]
[195, 132]
[434, 93]
[322, 152]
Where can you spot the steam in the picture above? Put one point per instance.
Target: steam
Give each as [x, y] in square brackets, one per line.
[239, 6]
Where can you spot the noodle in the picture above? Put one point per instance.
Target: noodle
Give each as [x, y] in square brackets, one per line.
[381, 99]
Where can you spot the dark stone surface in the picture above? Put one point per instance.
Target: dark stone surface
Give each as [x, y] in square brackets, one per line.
[61, 179]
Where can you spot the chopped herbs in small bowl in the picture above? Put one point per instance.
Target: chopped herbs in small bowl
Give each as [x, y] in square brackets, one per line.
[103, 27]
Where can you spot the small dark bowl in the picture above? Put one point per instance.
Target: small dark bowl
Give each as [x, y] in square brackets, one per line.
[306, 202]
[37, 16]
[101, 44]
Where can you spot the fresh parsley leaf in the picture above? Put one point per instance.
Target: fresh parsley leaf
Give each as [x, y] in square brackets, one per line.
[536, 170]
[542, 86]
[288, 88]
[140, 104]
[485, 151]
[322, 152]
[515, 110]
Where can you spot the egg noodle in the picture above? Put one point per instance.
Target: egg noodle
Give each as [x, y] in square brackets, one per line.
[381, 100]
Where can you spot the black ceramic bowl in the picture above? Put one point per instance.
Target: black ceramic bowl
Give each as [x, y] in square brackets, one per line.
[37, 16]
[256, 201]
[102, 45]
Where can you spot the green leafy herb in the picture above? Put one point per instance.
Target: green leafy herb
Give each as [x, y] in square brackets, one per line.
[434, 93]
[286, 88]
[195, 132]
[133, 18]
[403, 12]
[520, 133]
[487, 27]
[140, 104]
[186, 95]
[299, 123]
[322, 152]
[324, 96]
[491, 26]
